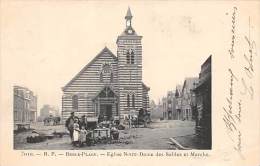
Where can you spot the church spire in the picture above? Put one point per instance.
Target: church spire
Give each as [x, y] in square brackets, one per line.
[128, 14]
[129, 30]
[128, 17]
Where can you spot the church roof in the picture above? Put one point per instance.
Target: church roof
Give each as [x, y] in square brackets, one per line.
[91, 62]
[145, 86]
[106, 89]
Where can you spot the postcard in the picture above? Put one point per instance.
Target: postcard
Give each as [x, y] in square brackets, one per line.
[130, 82]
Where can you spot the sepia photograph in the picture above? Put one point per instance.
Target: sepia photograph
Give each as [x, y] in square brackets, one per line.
[108, 105]
[132, 82]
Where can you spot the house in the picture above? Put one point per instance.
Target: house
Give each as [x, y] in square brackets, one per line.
[178, 95]
[169, 103]
[164, 108]
[25, 105]
[187, 97]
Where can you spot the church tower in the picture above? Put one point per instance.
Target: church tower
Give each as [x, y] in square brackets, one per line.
[129, 53]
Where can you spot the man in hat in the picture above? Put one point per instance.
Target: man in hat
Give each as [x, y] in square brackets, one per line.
[69, 124]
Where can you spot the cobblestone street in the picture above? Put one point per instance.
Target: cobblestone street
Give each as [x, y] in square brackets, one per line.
[156, 136]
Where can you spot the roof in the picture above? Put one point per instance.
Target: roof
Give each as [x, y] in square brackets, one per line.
[145, 86]
[208, 61]
[21, 88]
[171, 93]
[91, 62]
[128, 14]
[190, 83]
[179, 87]
[124, 33]
[105, 88]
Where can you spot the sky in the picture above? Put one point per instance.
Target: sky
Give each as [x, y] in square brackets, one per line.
[47, 43]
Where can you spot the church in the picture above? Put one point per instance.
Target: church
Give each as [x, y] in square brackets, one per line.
[110, 85]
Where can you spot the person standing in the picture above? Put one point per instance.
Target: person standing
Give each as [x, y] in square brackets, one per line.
[76, 132]
[83, 135]
[83, 122]
[70, 124]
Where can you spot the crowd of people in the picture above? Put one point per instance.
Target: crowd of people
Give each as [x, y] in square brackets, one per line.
[80, 130]
[77, 128]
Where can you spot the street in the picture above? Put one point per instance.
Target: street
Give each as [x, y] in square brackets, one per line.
[155, 136]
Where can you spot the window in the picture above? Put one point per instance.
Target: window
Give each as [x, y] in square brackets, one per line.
[132, 57]
[128, 57]
[128, 100]
[19, 116]
[106, 73]
[75, 102]
[133, 100]
[111, 77]
[106, 68]
[101, 77]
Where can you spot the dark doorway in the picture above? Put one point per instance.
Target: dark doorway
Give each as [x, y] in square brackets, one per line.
[106, 111]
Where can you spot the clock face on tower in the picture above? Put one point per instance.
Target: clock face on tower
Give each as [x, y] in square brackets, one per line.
[130, 31]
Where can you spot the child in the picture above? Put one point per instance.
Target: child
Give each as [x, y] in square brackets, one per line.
[76, 132]
[83, 135]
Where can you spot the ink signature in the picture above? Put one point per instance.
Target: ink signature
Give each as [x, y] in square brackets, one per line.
[233, 28]
[240, 86]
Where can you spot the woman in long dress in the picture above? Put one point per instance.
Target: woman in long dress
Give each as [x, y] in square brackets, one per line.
[76, 132]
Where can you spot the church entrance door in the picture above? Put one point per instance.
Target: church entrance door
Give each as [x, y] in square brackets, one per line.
[106, 104]
[106, 111]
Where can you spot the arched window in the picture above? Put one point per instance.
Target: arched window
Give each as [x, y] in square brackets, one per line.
[101, 77]
[128, 57]
[128, 100]
[75, 102]
[111, 77]
[133, 100]
[132, 57]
